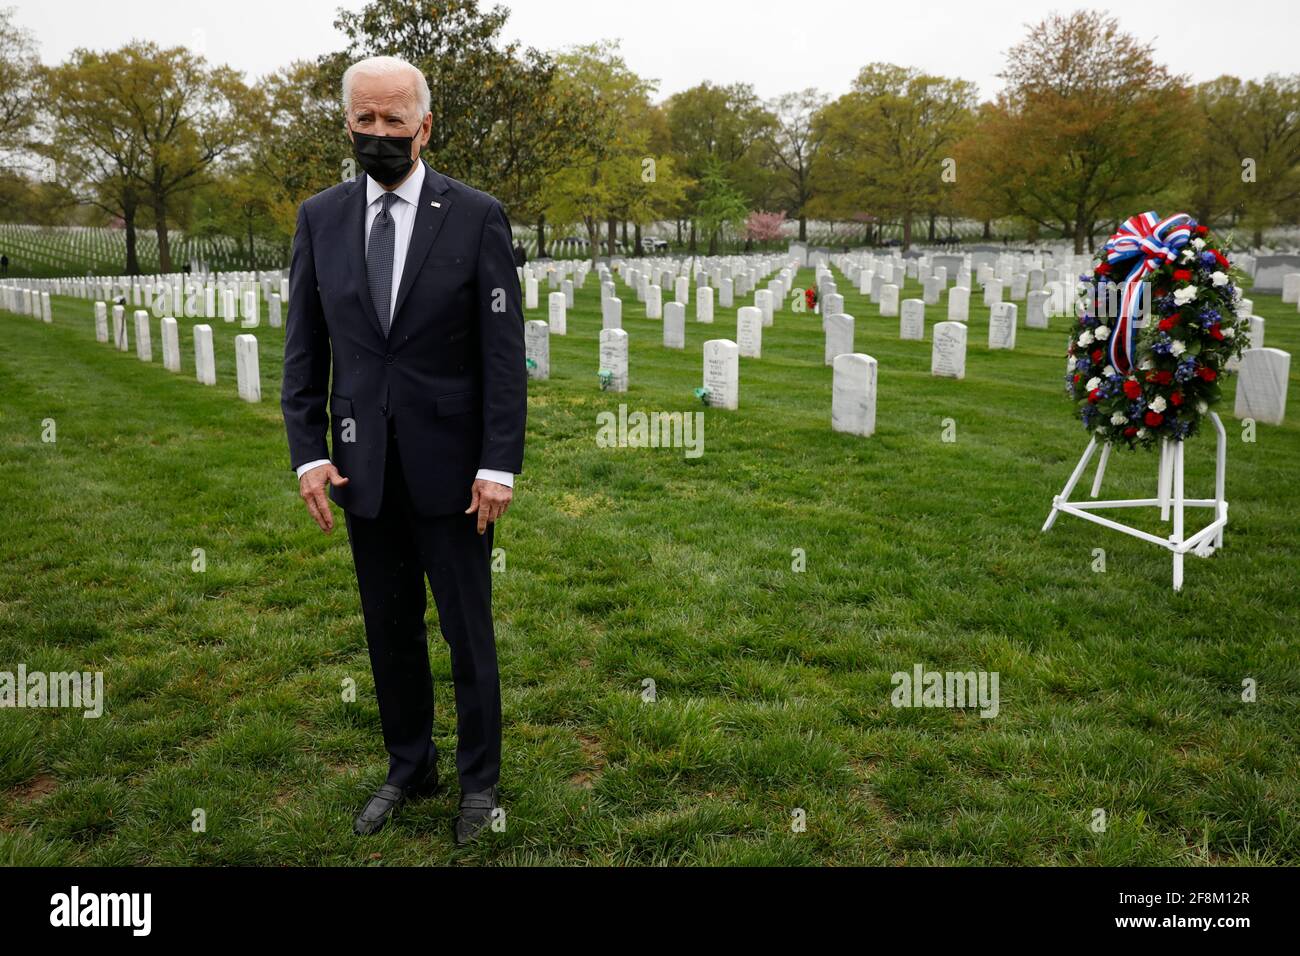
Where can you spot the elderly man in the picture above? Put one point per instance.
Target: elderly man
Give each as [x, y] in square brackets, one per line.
[402, 289]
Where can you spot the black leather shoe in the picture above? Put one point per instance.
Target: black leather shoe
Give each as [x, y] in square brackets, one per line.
[386, 801]
[389, 799]
[475, 813]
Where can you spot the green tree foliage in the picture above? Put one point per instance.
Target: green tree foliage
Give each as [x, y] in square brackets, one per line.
[885, 143]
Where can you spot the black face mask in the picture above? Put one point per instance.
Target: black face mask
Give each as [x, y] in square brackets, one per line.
[387, 159]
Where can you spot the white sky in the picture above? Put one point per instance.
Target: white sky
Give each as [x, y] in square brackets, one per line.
[776, 46]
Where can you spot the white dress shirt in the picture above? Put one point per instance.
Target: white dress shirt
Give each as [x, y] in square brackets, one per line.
[403, 213]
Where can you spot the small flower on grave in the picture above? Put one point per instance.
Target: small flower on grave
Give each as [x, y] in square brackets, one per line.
[531, 363]
[606, 378]
[703, 395]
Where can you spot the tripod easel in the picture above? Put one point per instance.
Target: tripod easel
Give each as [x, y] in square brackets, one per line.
[1169, 499]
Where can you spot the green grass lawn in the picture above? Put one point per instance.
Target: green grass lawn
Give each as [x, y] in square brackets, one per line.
[621, 565]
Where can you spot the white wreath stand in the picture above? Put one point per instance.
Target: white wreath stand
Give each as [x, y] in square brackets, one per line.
[1169, 498]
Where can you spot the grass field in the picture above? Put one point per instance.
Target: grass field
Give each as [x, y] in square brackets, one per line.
[773, 686]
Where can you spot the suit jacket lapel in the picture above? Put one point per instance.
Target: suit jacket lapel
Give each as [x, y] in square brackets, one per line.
[355, 219]
[430, 214]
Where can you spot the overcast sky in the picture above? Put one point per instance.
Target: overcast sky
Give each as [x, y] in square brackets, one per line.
[776, 45]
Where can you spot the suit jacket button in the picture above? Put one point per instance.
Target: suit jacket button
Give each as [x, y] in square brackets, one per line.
[388, 360]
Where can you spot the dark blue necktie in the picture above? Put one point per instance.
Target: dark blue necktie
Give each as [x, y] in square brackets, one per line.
[379, 261]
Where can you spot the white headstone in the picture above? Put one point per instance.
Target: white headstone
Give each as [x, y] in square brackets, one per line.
[101, 321]
[251, 311]
[674, 325]
[992, 291]
[722, 373]
[853, 394]
[611, 313]
[948, 355]
[120, 337]
[46, 314]
[1002, 325]
[1261, 385]
[654, 302]
[911, 324]
[537, 346]
[1291, 287]
[931, 289]
[273, 310]
[749, 331]
[1036, 309]
[725, 297]
[889, 299]
[839, 335]
[557, 314]
[704, 304]
[682, 290]
[205, 365]
[143, 343]
[228, 305]
[171, 344]
[613, 358]
[763, 302]
[958, 304]
[1256, 331]
[530, 292]
[247, 376]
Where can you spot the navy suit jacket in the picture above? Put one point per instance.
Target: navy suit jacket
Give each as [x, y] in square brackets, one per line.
[451, 373]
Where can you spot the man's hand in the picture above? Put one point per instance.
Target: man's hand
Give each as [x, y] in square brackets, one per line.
[311, 486]
[490, 500]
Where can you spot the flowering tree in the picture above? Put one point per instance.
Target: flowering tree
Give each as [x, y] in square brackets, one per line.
[764, 226]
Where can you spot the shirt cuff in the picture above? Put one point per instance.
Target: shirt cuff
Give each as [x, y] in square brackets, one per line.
[500, 477]
[303, 469]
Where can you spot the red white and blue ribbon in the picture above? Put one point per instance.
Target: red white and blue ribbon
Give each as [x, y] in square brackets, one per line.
[1148, 242]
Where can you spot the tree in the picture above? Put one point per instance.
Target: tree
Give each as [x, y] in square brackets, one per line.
[1089, 129]
[792, 143]
[721, 129]
[97, 150]
[720, 203]
[155, 121]
[763, 226]
[498, 122]
[1247, 154]
[617, 171]
[885, 143]
[299, 147]
[19, 66]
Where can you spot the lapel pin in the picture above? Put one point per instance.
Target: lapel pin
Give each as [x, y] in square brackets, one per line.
[436, 205]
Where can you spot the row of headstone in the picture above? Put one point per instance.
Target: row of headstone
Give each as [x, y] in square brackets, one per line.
[248, 380]
[26, 301]
[233, 297]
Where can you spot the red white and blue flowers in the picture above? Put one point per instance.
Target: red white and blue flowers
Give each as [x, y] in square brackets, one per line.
[1137, 386]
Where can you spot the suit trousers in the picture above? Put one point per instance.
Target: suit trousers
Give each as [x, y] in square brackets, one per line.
[394, 553]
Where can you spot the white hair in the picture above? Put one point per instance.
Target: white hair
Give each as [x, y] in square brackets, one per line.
[387, 66]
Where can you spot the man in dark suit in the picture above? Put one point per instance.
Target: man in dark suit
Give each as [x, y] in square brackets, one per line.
[402, 286]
